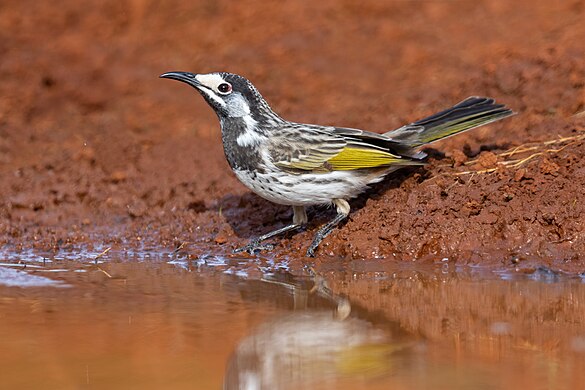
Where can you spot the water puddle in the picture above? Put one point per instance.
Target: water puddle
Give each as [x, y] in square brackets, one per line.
[16, 278]
[155, 321]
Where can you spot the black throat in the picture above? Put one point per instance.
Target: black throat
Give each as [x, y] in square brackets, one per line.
[245, 157]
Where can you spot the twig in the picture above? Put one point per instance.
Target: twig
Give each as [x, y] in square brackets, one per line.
[104, 271]
[101, 254]
[177, 249]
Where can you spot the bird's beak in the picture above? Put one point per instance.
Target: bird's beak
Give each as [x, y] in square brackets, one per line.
[185, 77]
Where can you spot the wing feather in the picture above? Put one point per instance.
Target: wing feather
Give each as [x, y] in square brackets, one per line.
[306, 148]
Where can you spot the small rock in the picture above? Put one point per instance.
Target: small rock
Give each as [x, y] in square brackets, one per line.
[223, 235]
[519, 175]
[220, 238]
[548, 167]
[487, 160]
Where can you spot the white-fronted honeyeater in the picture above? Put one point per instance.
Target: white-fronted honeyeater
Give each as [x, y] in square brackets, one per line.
[302, 164]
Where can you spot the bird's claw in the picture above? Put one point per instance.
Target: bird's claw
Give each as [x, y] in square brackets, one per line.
[253, 247]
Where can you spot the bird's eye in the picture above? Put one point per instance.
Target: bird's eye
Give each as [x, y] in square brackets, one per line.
[224, 88]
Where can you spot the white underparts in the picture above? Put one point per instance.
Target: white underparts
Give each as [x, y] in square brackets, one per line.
[307, 189]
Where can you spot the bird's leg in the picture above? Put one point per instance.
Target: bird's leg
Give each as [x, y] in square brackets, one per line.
[342, 213]
[256, 243]
[299, 220]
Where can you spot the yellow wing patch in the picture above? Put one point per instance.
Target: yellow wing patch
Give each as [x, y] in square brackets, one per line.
[357, 158]
[308, 162]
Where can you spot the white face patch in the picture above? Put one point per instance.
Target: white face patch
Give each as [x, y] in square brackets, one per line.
[234, 104]
[210, 80]
[209, 83]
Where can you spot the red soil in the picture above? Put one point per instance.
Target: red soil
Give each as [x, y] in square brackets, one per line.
[95, 150]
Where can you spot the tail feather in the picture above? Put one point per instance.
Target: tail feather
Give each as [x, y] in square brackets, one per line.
[466, 115]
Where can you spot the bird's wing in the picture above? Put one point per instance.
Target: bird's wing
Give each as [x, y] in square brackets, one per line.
[397, 148]
[301, 148]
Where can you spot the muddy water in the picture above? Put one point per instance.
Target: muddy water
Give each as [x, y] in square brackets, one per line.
[151, 321]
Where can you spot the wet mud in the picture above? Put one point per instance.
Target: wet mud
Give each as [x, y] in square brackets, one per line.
[97, 152]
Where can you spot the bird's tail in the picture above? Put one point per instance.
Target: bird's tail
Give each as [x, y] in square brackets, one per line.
[469, 114]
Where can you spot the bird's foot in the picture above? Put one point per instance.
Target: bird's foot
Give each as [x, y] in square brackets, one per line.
[253, 247]
[322, 233]
[312, 249]
[315, 243]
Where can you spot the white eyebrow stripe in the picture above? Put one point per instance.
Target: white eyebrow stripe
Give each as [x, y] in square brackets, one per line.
[210, 80]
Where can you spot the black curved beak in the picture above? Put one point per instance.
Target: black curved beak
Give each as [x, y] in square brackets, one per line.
[185, 77]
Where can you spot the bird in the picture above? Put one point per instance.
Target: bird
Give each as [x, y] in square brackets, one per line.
[302, 165]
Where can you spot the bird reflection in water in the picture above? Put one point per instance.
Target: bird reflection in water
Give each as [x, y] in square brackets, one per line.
[321, 341]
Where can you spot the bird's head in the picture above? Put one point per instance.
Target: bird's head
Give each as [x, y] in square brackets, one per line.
[230, 95]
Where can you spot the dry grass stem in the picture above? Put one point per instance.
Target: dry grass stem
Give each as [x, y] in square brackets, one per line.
[178, 248]
[524, 148]
[105, 272]
[101, 254]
